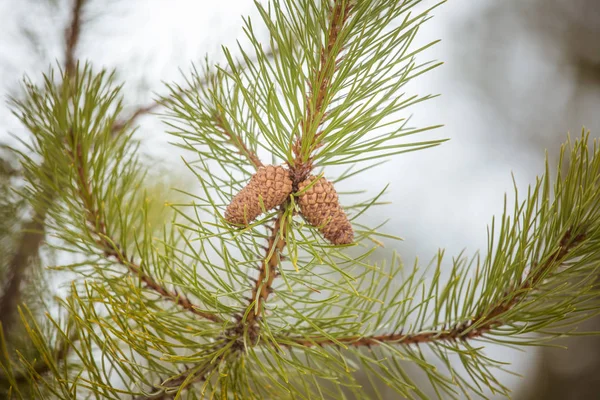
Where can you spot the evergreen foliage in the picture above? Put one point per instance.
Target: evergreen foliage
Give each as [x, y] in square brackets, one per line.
[198, 308]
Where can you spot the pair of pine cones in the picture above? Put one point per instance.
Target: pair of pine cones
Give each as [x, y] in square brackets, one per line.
[270, 186]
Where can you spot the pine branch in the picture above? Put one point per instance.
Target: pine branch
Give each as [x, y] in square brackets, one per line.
[248, 323]
[72, 35]
[538, 276]
[153, 106]
[196, 118]
[308, 105]
[316, 100]
[140, 111]
[300, 169]
[34, 230]
[111, 247]
[268, 269]
[237, 141]
[198, 373]
[42, 367]
[28, 248]
[471, 329]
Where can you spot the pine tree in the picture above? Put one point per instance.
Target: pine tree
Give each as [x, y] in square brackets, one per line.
[264, 286]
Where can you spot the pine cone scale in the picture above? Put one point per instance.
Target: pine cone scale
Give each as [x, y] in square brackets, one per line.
[269, 187]
[320, 207]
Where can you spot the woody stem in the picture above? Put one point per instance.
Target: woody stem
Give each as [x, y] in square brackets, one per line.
[268, 268]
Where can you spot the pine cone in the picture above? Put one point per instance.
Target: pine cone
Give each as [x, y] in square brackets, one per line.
[320, 207]
[272, 184]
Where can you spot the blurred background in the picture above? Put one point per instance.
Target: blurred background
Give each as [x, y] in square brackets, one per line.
[519, 75]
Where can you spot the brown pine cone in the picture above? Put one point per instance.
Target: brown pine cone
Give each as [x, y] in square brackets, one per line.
[320, 207]
[272, 184]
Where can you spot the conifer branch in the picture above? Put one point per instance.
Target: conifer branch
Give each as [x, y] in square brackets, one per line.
[28, 248]
[110, 246]
[153, 106]
[315, 107]
[151, 283]
[72, 34]
[301, 169]
[268, 268]
[140, 111]
[335, 99]
[476, 327]
[42, 367]
[315, 103]
[237, 141]
[34, 230]
[198, 373]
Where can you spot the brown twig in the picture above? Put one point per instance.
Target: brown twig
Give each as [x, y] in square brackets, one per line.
[327, 67]
[315, 109]
[149, 108]
[473, 328]
[198, 373]
[72, 34]
[20, 258]
[237, 141]
[268, 269]
[111, 248]
[173, 296]
[28, 248]
[153, 106]
[143, 110]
